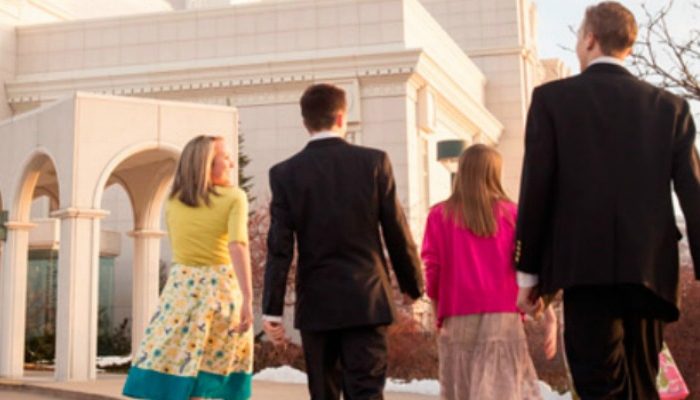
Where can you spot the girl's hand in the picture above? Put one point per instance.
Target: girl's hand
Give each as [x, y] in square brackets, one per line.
[275, 331]
[530, 302]
[246, 317]
[550, 334]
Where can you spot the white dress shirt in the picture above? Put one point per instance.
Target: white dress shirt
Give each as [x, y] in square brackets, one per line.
[324, 135]
[607, 60]
[526, 280]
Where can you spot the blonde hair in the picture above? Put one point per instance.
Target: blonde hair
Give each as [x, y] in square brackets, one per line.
[477, 190]
[193, 184]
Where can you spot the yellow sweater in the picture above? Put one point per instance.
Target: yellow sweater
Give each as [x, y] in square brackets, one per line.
[199, 236]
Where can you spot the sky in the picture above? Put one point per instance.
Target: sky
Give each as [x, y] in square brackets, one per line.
[555, 17]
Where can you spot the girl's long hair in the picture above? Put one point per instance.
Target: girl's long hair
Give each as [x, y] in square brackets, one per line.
[477, 190]
[193, 185]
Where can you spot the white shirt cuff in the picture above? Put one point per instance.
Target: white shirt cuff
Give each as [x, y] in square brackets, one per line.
[272, 318]
[526, 280]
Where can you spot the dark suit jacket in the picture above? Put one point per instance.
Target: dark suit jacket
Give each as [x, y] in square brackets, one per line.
[333, 197]
[602, 151]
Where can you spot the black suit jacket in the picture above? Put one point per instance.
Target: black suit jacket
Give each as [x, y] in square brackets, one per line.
[602, 152]
[333, 197]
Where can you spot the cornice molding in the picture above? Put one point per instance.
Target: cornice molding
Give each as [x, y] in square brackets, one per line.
[523, 51]
[380, 75]
[52, 9]
[219, 74]
[11, 8]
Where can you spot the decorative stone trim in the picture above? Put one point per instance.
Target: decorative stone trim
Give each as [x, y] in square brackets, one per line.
[384, 89]
[225, 73]
[147, 233]
[19, 225]
[86, 213]
[503, 51]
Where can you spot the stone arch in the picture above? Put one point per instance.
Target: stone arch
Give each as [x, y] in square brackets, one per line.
[38, 173]
[130, 152]
[40, 162]
[52, 195]
[145, 172]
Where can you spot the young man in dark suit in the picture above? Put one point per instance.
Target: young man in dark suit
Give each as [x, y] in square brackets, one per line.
[596, 216]
[333, 198]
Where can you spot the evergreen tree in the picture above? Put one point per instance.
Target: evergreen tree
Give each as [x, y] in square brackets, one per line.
[245, 182]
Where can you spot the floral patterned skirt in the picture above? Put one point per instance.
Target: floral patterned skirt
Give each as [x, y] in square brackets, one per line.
[191, 348]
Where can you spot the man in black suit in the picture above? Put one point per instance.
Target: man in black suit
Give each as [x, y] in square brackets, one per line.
[333, 197]
[596, 217]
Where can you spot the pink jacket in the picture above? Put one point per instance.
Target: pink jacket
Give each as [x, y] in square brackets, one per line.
[468, 274]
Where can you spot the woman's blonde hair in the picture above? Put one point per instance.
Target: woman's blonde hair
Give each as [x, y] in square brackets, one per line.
[193, 184]
[477, 190]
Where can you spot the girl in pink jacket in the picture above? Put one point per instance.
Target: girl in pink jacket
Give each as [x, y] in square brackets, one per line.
[468, 251]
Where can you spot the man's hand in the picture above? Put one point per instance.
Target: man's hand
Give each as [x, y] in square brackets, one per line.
[275, 331]
[529, 302]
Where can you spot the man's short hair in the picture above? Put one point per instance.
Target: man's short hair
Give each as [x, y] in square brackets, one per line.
[613, 25]
[320, 105]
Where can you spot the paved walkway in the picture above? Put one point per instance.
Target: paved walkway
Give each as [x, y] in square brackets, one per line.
[39, 386]
[7, 395]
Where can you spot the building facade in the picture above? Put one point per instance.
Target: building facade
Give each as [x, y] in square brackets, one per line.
[416, 73]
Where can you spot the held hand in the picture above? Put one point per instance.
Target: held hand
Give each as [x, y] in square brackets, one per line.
[275, 331]
[246, 317]
[550, 334]
[407, 300]
[529, 303]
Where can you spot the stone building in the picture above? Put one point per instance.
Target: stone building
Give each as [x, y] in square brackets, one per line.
[416, 73]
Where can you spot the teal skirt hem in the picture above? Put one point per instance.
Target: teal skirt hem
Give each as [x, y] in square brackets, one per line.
[153, 385]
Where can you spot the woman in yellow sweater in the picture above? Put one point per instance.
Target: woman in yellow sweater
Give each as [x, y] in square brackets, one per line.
[199, 343]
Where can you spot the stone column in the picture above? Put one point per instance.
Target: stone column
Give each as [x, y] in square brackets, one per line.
[78, 274]
[145, 275]
[13, 299]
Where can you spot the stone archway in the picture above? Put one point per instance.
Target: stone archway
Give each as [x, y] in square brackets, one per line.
[145, 173]
[89, 140]
[38, 175]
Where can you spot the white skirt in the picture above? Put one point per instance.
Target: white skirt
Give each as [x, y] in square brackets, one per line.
[484, 357]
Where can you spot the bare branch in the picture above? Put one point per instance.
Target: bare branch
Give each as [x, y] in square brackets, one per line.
[670, 62]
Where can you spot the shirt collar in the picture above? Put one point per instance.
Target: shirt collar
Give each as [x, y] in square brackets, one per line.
[324, 135]
[608, 60]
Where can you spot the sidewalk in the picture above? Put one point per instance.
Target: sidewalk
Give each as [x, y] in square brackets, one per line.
[108, 387]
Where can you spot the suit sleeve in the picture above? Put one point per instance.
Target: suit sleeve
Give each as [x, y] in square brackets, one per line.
[397, 236]
[686, 181]
[537, 188]
[280, 250]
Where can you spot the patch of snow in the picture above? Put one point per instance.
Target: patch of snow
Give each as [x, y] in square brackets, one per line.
[112, 361]
[549, 394]
[285, 374]
[417, 386]
[431, 387]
